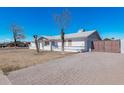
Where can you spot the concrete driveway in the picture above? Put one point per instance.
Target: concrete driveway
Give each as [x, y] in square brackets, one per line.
[82, 68]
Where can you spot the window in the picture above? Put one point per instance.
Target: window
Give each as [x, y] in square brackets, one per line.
[55, 43]
[46, 43]
[69, 42]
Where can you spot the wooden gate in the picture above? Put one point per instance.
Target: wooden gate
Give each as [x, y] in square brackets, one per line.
[106, 46]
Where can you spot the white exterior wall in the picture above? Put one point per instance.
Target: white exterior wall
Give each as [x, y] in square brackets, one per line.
[122, 46]
[32, 46]
[44, 47]
[76, 46]
[41, 46]
[47, 47]
[78, 43]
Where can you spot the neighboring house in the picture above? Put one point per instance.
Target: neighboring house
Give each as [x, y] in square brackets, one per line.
[74, 42]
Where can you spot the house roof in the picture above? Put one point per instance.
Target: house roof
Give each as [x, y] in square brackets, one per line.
[79, 34]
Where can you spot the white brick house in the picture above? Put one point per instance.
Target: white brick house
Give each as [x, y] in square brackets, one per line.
[74, 42]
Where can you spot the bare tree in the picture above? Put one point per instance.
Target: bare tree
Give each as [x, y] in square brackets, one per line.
[17, 33]
[36, 43]
[62, 21]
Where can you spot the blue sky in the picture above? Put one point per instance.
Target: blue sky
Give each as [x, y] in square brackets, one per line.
[109, 22]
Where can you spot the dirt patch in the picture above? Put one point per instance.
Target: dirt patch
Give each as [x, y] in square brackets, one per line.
[15, 59]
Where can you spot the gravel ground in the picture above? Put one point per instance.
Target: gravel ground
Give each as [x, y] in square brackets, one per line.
[3, 79]
[82, 68]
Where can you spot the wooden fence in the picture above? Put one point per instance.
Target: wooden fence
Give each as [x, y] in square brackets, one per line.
[106, 46]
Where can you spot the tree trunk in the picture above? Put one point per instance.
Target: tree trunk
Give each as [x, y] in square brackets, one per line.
[36, 44]
[62, 39]
[15, 41]
[51, 48]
